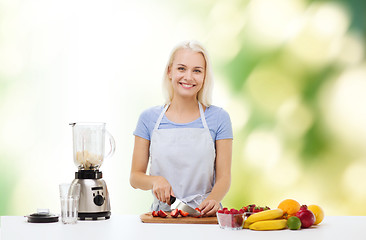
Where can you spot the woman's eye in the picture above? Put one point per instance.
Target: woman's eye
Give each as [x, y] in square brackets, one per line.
[180, 68]
[197, 71]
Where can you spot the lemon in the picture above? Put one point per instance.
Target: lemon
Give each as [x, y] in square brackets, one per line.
[318, 212]
[294, 223]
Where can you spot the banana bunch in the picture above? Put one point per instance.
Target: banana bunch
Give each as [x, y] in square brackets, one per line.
[266, 220]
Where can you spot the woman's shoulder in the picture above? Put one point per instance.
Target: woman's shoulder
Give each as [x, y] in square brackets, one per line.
[215, 111]
[220, 121]
[147, 121]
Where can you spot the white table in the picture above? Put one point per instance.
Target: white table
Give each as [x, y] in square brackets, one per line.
[130, 227]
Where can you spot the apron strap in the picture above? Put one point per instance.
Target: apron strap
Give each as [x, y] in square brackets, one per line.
[203, 118]
[161, 117]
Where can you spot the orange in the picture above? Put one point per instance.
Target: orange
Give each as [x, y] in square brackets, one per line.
[289, 207]
[318, 212]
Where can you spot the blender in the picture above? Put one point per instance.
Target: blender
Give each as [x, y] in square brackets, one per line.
[89, 153]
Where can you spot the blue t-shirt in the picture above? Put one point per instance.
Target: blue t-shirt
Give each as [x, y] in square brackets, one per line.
[218, 121]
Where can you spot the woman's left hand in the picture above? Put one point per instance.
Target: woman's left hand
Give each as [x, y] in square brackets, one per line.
[209, 207]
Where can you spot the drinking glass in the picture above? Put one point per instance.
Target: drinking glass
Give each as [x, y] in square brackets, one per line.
[69, 196]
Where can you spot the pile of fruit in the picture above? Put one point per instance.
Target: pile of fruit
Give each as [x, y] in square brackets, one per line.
[289, 214]
[300, 216]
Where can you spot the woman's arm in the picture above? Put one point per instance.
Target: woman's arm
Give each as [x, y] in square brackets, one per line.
[138, 177]
[211, 204]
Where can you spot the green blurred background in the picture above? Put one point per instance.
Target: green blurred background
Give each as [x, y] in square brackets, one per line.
[291, 74]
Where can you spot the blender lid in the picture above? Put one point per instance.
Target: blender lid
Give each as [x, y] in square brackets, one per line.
[42, 216]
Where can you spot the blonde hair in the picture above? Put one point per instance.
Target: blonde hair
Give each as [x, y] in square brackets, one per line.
[205, 94]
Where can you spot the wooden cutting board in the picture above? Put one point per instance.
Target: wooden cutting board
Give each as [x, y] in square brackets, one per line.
[148, 218]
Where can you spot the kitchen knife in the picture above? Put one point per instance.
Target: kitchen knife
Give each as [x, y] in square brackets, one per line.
[184, 207]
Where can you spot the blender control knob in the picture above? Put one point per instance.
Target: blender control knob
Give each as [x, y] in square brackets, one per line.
[98, 200]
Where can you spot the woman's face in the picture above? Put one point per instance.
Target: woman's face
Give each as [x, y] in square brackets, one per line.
[187, 73]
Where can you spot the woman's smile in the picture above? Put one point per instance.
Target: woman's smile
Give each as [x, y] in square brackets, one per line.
[186, 85]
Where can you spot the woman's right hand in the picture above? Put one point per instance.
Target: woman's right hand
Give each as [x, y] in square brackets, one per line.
[162, 189]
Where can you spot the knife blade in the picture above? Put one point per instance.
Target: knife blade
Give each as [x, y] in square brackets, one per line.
[184, 207]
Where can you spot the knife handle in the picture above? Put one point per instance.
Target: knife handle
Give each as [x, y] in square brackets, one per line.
[172, 199]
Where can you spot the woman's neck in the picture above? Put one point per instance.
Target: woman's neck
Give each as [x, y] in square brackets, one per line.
[184, 105]
[183, 110]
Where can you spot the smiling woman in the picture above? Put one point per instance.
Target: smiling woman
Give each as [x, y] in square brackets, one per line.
[188, 140]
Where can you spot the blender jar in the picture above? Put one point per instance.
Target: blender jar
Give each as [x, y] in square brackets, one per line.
[89, 145]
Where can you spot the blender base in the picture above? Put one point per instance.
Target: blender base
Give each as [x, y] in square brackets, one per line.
[94, 215]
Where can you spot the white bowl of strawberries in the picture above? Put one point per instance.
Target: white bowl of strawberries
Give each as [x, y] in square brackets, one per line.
[232, 219]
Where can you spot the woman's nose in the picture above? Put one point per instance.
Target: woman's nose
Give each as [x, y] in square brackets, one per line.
[188, 75]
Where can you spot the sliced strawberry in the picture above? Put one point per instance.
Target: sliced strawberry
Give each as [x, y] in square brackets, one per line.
[183, 213]
[155, 214]
[199, 210]
[220, 211]
[162, 214]
[174, 213]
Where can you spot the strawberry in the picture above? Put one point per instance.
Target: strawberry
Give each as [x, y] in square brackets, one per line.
[155, 214]
[174, 213]
[197, 209]
[256, 209]
[234, 211]
[252, 208]
[162, 214]
[237, 221]
[183, 213]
